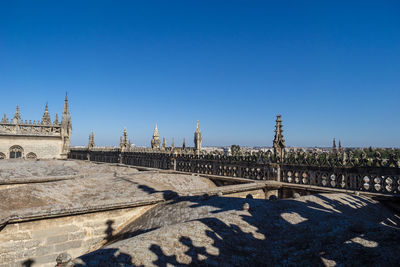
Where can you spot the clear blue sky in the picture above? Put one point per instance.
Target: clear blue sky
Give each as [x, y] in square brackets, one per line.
[331, 68]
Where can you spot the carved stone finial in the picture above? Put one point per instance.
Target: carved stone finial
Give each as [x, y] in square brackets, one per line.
[46, 116]
[17, 116]
[56, 120]
[164, 143]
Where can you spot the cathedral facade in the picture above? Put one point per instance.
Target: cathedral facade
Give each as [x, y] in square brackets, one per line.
[42, 139]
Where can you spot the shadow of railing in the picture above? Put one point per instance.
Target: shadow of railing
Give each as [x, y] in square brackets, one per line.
[321, 229]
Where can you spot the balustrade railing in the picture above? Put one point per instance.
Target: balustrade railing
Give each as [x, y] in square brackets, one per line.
[339, 170]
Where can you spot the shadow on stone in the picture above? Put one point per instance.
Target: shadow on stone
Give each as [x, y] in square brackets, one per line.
[109, 231]
[28, 263]
[105, 257]
[314, 231]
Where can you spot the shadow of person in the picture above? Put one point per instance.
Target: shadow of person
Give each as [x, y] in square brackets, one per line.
[109, 231]
[28, 263]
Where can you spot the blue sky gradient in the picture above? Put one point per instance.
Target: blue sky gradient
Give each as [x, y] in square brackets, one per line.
[331, 68]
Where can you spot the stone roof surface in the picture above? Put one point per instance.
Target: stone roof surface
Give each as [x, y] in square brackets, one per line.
[324, 229]
[88, 185]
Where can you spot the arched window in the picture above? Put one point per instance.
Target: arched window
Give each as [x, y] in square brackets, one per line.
[16, 152]
[31, 155]
[2, 156]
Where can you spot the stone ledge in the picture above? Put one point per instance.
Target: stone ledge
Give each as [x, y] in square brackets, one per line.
[76, 211]
[44, 179]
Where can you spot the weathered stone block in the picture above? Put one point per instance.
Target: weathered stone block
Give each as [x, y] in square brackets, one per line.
[31, 244]
[20, 236]
[29, 253]
[68, 245]
[46, 259]
[10, 246]
[10, 257]
[57, 239]
[77, 235]
[45, 250]
[53, 231]
[10, 229]
[99, 231]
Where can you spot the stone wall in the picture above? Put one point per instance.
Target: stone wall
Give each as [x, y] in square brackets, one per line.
[44, 147]
[42, 240]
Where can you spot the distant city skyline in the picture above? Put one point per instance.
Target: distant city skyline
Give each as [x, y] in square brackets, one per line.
[331, 69]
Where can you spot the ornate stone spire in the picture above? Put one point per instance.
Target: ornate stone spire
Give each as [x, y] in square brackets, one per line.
[340, 146]
[91, 141]
[4, 119]
[197, 139]
[173, 143]
[164, 143]
[46, 116]
[279, 141]
[155, 141]
[184, 144]
[17, 116]
[123, 139]
[65, 109]
[66, 128]
[124, 143]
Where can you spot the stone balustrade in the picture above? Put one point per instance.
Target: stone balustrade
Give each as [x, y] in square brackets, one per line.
[338, 170]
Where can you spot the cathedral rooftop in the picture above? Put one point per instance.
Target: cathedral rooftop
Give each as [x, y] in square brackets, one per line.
[115, 214]
[35, 189]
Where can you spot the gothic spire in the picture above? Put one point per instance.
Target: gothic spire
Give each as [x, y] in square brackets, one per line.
[173, 143]
[66, 128]
[65, 109]
[184, 144]
[46, 116]
[340, 146]
[197, 139]
[164, 143]
[279, 141]
[334, 145]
